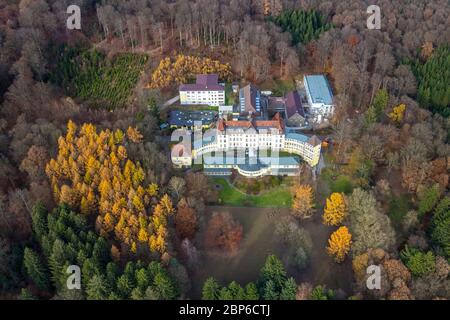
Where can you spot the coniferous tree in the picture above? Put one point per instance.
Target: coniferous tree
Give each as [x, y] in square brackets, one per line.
[35, 269]
[210, 289]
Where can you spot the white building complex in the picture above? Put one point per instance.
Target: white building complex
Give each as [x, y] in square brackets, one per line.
[319, 95]
[205, 91]
[252, 147]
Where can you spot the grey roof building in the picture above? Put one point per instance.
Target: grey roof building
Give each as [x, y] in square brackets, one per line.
[250, 99]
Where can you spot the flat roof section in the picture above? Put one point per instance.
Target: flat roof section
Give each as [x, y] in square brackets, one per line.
[187, 118]
[319, 89]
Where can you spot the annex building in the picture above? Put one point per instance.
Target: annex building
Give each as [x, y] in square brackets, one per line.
[205, 91]
[319, 95]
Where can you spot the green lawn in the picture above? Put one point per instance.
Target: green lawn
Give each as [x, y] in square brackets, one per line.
[337, 182]
[229, 94]
[282, 87]
[279, 197]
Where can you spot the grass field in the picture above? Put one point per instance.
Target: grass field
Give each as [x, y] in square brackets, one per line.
[279, 197]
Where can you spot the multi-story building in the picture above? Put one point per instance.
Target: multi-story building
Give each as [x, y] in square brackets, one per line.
[250, 100]
[254, 148]
[205, 91]
[295, 114]
[319, 95]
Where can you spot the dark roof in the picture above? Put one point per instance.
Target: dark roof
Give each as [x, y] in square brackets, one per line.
[294, 104]
[249, 94]
[314, 141]
[277, 103]
[187, 118]
[204, 82]
[206, 79]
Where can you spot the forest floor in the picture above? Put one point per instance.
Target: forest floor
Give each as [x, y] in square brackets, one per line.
[259, 241]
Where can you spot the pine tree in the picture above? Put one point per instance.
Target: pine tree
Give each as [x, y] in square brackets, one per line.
[164, 286]
[273, 271]
[39, 218]
[289, 290]
[270, 291]
[251, 292]
[429, 200]
[35, 269]
[440, 226]
[210, 289]
[97, 288]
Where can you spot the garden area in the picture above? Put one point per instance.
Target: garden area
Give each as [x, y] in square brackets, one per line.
[262, 236]
[95, 79]
[253, 195]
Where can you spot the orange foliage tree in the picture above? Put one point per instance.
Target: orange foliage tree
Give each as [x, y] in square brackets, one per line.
[339, 244]
[223, 232]
[303, 201]
[335, 209]
[185, 221]
[183, 68]
[93, 174]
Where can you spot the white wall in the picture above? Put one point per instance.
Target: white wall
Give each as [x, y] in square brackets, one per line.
[211, 98]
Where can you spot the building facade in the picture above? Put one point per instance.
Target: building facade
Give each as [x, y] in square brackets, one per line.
[206, 91]
[254, 148]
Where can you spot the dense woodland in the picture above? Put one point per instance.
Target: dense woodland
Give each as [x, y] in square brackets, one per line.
[86, 173]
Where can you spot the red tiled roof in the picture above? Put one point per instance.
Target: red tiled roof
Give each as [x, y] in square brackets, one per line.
[276, 122]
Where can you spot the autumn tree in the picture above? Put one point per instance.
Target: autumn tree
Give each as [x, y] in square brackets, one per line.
[92, 173]
[185, 221]
[223, 232]
[303, 201]
[398, 113]
[339, 244]
[183, 68]
[335, 209]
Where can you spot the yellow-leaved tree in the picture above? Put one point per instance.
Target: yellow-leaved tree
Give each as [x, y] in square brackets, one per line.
[92, 173]
[183, 68]
[397, 113]
[339, 244]
[303, 201]
[335, 209]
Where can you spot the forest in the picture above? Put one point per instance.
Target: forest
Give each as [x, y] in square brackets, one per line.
[87, 178]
